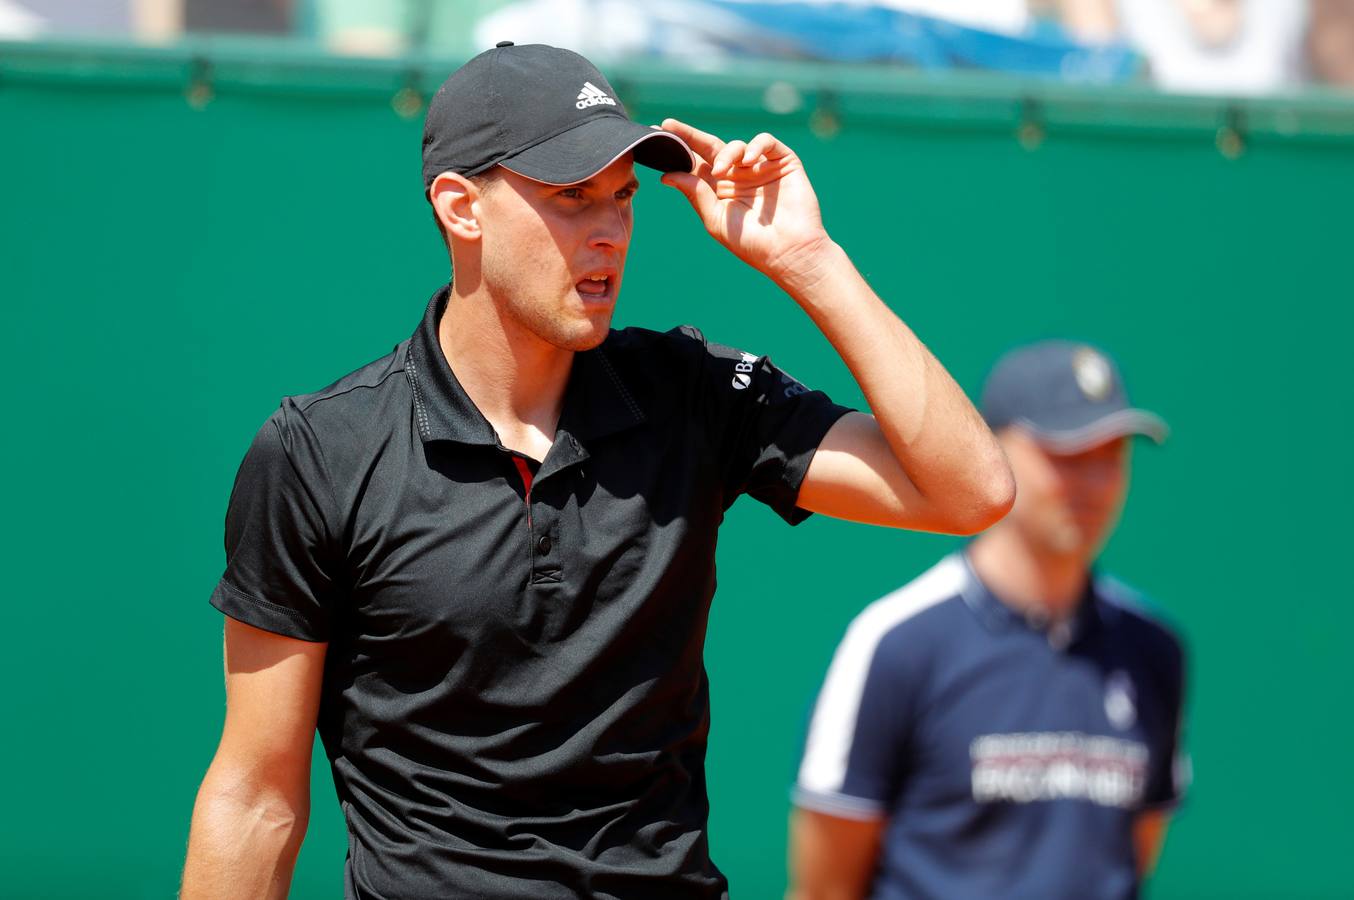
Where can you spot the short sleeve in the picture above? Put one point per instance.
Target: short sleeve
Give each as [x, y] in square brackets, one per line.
[855, 757]
[1172, 769]
[764, 425]
[280, 566]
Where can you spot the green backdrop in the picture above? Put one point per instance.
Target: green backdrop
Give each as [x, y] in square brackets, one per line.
[188, 234]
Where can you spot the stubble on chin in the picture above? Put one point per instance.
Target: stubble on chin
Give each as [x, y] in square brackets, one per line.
[559, 329]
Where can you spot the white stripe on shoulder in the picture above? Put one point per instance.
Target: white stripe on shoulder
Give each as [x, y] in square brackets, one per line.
[834, 716]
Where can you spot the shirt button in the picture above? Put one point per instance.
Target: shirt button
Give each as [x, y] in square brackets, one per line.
[544, 544]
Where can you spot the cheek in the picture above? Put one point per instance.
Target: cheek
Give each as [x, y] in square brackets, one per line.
[521, 257]
[1118, 489]
[1107, 481]
[1041, 481]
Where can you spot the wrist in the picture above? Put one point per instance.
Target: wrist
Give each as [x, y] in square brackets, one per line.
[800, 271]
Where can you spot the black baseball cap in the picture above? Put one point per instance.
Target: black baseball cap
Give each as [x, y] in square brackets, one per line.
[1069, 396]
[542, 112]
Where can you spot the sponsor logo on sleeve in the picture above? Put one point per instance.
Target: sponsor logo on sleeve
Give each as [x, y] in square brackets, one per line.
[742, 372]
[742, 377]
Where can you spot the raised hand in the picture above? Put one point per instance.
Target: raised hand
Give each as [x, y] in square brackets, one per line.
[754, 198]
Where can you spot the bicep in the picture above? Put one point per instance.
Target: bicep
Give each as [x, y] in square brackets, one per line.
[272, 701]
[854, 475]
[832, 858]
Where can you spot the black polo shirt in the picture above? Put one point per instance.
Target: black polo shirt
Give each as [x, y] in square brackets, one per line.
[514, 700]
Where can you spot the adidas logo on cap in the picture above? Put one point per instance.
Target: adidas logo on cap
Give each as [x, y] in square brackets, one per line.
[592, 95]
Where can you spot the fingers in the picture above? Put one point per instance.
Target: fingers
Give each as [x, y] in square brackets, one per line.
[722, 158]
[735, 171]
[764, 144]
[705, 145]
[730, 156]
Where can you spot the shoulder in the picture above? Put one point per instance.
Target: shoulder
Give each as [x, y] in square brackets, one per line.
[676, 365]
[352, 402]
[354, 388]
[1136, 618]
[309, 433]
[908, 623]
[684, 342]
[890, 649]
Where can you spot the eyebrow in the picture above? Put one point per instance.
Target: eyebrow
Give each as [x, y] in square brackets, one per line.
[632, 184]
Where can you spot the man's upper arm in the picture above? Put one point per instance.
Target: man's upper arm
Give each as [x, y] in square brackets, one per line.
[856, 754]
[854, 757]
[272, 701]
[855, 475]
[283, 562]
[763, 425]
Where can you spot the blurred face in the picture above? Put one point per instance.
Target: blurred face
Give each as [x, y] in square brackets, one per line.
[552, 255]
[1067, 504]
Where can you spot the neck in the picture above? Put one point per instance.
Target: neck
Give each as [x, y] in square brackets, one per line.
[513, 377]
[1026, 579]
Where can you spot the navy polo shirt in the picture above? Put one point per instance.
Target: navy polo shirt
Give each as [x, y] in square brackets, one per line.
[1009, 759]
[514, 702]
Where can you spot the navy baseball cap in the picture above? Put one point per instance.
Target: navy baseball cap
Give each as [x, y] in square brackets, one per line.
[1068, 396]
[542, 112]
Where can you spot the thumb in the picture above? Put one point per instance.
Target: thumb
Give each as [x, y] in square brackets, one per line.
[693, 188]
[682, 181]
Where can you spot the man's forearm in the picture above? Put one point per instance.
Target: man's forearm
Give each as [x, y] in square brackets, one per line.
[242, 843]
[1149, 833]
[938, 438]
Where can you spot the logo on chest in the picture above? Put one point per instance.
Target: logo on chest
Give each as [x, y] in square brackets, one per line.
[1121, 705]
[1062, 765]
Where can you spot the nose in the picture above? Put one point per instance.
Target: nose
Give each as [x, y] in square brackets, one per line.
[1082, 476]
[1096, 478]
[611, 229]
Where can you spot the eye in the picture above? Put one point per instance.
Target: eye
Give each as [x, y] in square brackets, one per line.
[625, 193]
[572, 193]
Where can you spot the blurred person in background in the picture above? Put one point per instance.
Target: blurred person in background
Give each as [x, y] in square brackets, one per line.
[392, 27]
[275, 17]
[1007, 724]
[1330, 42]
[75, 18]
[1202, 46]
[152, 21]
[18, 22]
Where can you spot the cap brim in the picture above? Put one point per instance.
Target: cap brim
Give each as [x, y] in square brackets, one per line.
[1117, 424]
[583, 151]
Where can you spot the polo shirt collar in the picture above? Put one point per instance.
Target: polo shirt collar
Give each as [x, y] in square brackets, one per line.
[998, 616]
[597, 401]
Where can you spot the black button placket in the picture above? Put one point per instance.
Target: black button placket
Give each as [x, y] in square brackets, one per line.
[549, 492]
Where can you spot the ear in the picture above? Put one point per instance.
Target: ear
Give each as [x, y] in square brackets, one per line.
[456, 201]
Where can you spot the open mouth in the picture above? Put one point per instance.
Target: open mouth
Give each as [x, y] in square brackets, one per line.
[598, 287]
